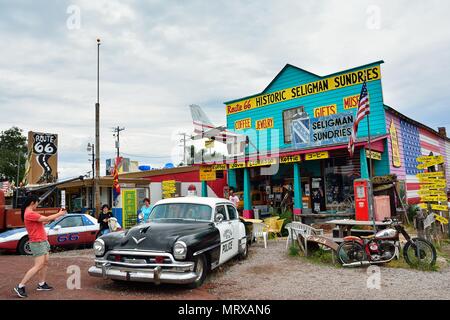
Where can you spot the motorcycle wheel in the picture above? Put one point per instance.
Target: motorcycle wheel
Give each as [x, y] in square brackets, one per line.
[350, 251]
[419, 252]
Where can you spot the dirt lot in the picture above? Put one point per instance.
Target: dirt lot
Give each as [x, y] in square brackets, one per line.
[267, 274]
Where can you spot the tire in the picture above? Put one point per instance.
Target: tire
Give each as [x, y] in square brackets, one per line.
[243, 255]
[350, 251]
[24, 248]
[200, 267]
[427, 251]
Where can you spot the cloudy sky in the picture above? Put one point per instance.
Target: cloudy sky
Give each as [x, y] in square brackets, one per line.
[157, 57]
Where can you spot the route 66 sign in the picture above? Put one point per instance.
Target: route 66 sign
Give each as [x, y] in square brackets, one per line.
[42, 162]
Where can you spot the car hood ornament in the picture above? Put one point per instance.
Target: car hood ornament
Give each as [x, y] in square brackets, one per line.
[138, 241]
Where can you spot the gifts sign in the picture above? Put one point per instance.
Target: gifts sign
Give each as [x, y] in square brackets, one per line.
[43, 148]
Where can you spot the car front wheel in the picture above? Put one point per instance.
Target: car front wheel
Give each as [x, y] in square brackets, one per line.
[24, 246]
[201, 269]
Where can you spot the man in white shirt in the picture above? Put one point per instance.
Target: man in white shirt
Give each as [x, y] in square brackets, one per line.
[234, 198]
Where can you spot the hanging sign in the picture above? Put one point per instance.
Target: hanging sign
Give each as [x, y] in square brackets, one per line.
[429, 161]
[428, 221]
[237, 165]
[261, 162]
[209, 143]
[425, 192]
[433, 198]
[317, 155]
[290, 159]
[439, 207]
[438, 174]
[396, 160]
[373, 155]
[207, 173]
[323, 85]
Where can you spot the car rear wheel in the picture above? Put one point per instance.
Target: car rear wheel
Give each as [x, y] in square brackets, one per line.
[24, 246]
[201, 269]
[244, 254]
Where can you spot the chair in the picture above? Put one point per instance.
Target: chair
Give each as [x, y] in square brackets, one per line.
[260, 231]
[275, 226]
[297, 229]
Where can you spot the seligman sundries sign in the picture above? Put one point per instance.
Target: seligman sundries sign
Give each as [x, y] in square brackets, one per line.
[312, 132]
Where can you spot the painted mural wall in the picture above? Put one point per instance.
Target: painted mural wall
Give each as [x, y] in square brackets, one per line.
[414, 141]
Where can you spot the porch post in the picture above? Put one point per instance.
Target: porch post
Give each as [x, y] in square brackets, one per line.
[232, 179]
[298, 203]
[248, 209]
[363, 161]
[204, 189]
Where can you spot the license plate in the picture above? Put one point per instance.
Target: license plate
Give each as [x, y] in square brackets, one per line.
[135, 261]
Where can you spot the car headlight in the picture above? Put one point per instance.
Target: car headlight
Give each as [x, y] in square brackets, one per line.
[99, 247]
[179, 250]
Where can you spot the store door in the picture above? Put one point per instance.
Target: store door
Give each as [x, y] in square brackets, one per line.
[317, 195]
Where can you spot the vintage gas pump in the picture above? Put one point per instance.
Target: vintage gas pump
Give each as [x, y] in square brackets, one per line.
[362, 188]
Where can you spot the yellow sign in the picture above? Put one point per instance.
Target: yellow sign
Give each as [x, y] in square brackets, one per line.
[438, 174]
[307, 89]
[433, 198]
[207, 173]
[317, 155]
[264, 123]
[439, 207]
[325, 111]
[350, 102]
[437, 180]
[261, 162]
[219, 167]
[373, 155]
[441, 219]
[396, 160]
[237, 165]
[424, 192]
[209, 143]
[429, 161]
[243, 124]
[422, 205]
[290, 159]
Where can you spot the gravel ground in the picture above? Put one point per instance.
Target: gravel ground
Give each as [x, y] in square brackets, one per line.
[266, 274]
[272, 274]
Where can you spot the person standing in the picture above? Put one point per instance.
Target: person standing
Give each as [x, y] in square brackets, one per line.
[38, 241]
[103, 219]
[145, 211]
[234, 198]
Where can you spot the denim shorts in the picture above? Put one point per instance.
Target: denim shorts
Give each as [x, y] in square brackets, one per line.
[39, 248]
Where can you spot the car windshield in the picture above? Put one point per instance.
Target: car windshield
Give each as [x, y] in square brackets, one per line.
[185, 211]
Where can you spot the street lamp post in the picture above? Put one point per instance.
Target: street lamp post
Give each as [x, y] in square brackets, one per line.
[97, 137]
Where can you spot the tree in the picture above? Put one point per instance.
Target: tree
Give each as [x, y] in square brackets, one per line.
[12, 148]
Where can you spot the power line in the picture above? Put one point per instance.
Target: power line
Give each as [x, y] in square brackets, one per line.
[141, 156]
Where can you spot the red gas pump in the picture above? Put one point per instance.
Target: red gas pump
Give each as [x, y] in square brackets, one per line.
[362, 192]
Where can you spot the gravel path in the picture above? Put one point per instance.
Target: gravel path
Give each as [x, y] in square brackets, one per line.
[272, 274]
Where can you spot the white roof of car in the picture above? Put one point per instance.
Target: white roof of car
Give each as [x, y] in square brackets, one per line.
[195, 199]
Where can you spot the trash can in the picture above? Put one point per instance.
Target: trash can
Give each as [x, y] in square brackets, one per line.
[382, 207]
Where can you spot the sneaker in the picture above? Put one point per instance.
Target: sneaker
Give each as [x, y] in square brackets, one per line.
[44, 287]
[20, 292]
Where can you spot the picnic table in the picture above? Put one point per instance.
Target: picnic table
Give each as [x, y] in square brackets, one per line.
[345, 225]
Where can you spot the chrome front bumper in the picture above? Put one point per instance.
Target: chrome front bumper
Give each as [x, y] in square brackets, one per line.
[173, 272]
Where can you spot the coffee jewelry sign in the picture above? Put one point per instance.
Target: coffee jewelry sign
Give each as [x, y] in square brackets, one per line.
[314, 132]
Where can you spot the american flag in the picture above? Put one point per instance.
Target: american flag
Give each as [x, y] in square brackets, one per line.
[363, 110]
[417, 142]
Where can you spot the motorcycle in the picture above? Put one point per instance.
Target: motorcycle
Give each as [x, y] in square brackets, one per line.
[384, 246]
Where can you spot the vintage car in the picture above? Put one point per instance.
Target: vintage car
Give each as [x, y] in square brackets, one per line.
[72, 229]
[184, 238]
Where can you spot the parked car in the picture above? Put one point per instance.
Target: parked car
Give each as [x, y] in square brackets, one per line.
[184, 239]
[72, 229]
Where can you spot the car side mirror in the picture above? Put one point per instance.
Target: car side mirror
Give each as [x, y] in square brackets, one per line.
[57, 227]
[218, 218]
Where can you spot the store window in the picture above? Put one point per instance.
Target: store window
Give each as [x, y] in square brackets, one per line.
[340, 172]
[288, 115]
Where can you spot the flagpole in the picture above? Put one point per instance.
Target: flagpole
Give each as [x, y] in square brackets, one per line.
[371, 209]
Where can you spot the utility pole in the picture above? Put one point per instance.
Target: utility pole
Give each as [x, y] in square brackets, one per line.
[97, 137]
[18, 177]
[117, 135]
[91, 148]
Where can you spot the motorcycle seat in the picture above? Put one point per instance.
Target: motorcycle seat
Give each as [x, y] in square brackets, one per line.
[368, 237]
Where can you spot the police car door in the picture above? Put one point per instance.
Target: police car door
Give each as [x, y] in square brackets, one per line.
[227, 247]
[235, 223]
